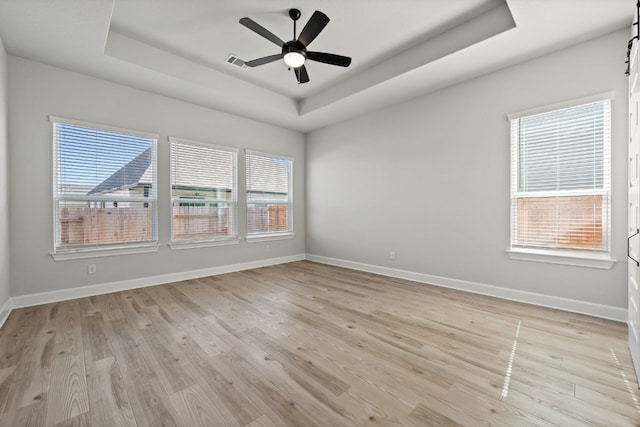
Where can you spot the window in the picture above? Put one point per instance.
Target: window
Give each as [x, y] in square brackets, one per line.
[560, 179]
[104, 187]
[269, 198]
[203, 192]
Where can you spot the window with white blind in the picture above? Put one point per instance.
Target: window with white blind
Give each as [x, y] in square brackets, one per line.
[560, 179]
[269, 198]
[203, 192]
[104, 187]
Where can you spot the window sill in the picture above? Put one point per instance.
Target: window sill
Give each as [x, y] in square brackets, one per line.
[102, 252]
[269, 237]
[177, 246]
[574, 258]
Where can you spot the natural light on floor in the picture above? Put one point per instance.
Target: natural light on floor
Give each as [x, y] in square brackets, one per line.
[507, 376]
[626, 381]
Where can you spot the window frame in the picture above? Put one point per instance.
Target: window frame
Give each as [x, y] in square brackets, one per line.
[556, 255]
[278, 235]
[179, 244]
[71, 252]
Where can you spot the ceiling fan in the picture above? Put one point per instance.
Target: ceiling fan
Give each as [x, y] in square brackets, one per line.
[294, 52]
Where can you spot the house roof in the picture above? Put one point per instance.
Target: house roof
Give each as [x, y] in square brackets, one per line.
[196, 175]
[127, 176]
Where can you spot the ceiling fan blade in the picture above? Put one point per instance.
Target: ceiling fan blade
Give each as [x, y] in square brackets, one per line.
[310, 31]
[264, 60]
[329, 58]
[259, 29]
[301, 74]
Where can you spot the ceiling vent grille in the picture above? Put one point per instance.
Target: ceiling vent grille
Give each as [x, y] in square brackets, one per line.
[234, 60]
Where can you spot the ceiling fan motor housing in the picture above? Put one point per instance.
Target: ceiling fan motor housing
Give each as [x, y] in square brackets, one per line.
[294, 47]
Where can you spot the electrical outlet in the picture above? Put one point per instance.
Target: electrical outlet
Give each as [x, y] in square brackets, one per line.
[392, 255]
[91, 269]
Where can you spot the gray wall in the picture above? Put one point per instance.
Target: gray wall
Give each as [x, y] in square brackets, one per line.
[429, 178]
[38, 90]
[4, 184]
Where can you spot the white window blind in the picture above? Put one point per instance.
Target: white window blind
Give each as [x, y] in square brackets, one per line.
[104, 186]
[560, 178]
[269, 199]
[203, 191]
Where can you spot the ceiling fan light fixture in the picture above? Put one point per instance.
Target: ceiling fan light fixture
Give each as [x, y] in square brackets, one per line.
[294, 58]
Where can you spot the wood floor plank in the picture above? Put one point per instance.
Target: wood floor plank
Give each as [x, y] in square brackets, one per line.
[81, 420]
[108, 397]
[32, 372]
[134, 311]
[286, 357]
[19, 340]
[6, 379]
[575, 411]
[151, 404]
[204, 369]
[306, 344]
[109, 306]
[68, 373]
[166, 361]
[285, 404]
[89, 306]
[68, 379]
[126, 342]
[185, 302]
[423, 416]
[196, 408]
[298, 381]
[263, 421]
[172, 328]
[99, 345]
[33, 415]
[68, 331]
[351, 365]
[617, 405]
[143, 297]
[17, 400]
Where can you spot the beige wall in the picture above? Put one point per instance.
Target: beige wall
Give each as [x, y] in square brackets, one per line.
[429, 179]
[4, 186]
[37, 90]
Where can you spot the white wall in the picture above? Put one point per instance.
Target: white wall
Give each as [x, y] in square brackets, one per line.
[429, 178]
[4, 187]
[38, 90]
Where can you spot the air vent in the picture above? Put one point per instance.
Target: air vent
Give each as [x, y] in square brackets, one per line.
[234, 60]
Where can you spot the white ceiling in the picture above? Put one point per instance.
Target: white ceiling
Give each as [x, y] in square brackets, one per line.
[400, 49]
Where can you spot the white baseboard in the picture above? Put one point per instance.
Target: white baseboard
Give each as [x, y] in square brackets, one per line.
[575, 306]
[105, 288]
[5, 310]
[582, 307]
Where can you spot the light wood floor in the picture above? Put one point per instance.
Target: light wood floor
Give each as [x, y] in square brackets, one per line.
[305, 344]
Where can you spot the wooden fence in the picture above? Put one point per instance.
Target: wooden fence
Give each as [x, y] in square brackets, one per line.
[571, 221]
[86, 225]
[201, 222]
[267, 219]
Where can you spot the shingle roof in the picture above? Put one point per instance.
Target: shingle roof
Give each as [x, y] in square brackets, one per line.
[127, 176]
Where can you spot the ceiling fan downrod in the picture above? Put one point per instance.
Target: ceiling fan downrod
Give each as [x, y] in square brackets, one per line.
[294, 14]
